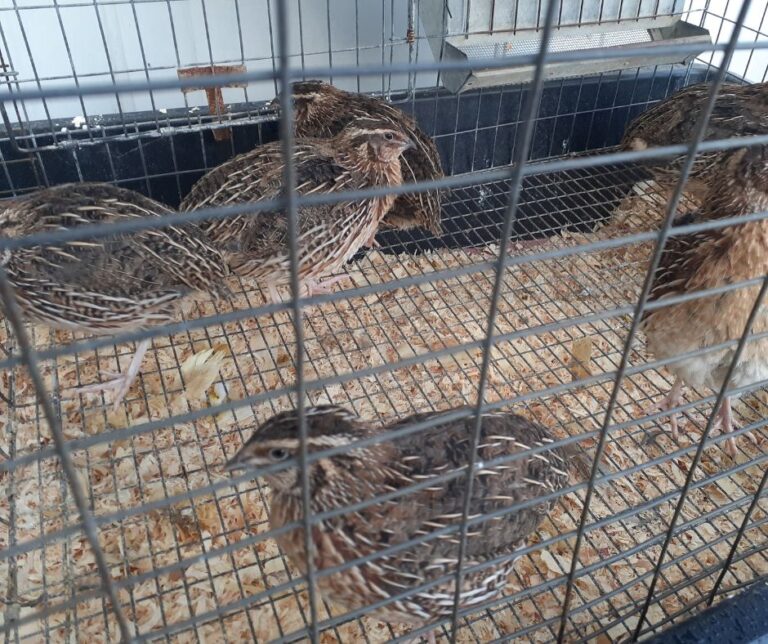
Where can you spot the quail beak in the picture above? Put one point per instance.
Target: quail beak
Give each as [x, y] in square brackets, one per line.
[238, 462]
[408, 145]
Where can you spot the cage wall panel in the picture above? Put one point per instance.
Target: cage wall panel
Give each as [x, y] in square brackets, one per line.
[189, 550]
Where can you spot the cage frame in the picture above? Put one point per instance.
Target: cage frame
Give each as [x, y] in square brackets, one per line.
[64, 447]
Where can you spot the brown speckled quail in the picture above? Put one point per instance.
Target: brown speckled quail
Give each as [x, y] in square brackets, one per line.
[740, 110]
[364, 154]
[322, 110]
[709, 259]
[362, 473]
[106, 285]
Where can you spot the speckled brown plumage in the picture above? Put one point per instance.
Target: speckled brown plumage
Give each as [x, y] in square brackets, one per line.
[709, 259]
[365, 154]
[106, 285]
[363, 473]
[322, 110]
[740, 110]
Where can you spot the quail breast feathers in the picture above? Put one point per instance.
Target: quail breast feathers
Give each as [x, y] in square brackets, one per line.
[708, 259]
[322, 110]
[364, 154]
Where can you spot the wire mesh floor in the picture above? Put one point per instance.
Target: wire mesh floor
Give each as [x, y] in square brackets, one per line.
[193, 567]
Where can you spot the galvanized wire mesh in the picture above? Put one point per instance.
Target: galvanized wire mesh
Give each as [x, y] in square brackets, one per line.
[122, 525]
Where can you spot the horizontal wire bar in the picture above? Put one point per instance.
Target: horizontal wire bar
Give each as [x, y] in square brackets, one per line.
[111, 229]
[249, 541]
[369, 70]
[232, 405]
[706, 572]
[510, 260]
[347, 616]
[173, 500]
[422, 358]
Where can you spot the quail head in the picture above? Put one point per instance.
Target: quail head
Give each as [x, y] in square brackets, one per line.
[126, 282]
[708, 259]
[365, 154]
[361, 474]
[322, 110]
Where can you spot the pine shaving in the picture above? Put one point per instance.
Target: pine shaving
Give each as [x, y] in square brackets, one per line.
[200, 369]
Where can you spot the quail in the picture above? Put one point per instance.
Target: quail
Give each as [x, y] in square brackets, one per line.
[127, 282]
[362, 473]
[708, 259]
[323, 110]
[364, 154]
[740, 110]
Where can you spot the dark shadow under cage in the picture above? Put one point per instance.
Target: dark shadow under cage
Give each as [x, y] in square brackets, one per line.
[663, 527]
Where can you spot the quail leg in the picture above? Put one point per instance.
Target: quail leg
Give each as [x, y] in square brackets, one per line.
[372, 243]
[274, 294]
[120, 382]
[315, 287]
[726, 425]
[430, 637]
[513, 248]
[670, 401]
[725, 420]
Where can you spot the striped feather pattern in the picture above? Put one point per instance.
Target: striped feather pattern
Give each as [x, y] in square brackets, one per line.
[256, 244]
[712, 258]
[323, 110]
[363, 473]
[129, 281]
[740, 110]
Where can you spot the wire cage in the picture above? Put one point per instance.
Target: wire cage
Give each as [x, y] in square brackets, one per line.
[123, 525]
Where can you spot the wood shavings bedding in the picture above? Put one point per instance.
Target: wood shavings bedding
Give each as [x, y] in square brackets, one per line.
[228, 362]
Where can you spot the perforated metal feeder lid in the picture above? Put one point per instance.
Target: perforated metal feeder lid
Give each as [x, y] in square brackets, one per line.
[483, 29]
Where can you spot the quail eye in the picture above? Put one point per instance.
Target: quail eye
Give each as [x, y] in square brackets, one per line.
[278, 454]
[389, 136]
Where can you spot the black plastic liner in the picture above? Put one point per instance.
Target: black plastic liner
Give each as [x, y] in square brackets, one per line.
[576, 116]
[739, 619]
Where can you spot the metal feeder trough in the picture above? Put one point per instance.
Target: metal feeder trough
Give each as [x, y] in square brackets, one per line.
[483, 29]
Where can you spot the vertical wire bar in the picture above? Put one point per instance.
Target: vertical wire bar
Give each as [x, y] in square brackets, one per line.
[242, 53]
[699, 452]
[68, 49]
[330, 39]
[742, 529]
[698, 137]
[758, 33]
[516, 181]
[392, 39]
[33, 66]
[111, 69]
[90, 529]
[301, 36]
[10, 83]
[466, 19]
[357, 41]
[411, 38]
[289, 200]
[275, 79]
[12, 587]
[383, 45]
[722, 72]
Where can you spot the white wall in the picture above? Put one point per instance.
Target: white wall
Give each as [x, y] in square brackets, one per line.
[51, 43]
[58, 43]
[750, 64]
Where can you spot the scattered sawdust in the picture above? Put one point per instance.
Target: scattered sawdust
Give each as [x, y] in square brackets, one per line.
[205, 553]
